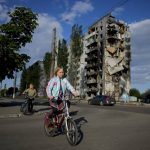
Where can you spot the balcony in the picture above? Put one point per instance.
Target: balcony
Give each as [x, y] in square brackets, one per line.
[122, 28]
[113, 26]
[111, 35]
[91, 41]
[91, 73]
[128, 39]
[127, 47]
[91, 50]
[91, 35]
[128, 54]
[111, 20]
[92, 81]
[112, 29]
[122, 46]
[91, 90]
[92, 58]
[93, 65]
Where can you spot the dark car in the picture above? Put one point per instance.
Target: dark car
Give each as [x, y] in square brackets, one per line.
[101, 100]
[146, 100]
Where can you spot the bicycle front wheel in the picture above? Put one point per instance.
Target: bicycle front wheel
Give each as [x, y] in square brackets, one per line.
[72, 132]
[24, 108]
[48, 126]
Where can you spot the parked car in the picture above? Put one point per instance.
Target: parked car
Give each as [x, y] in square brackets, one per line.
[146, 100]
[102, 100]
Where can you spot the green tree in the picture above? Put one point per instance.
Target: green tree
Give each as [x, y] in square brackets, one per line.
[14, 35]
[30, 75]
[135, 92]
[76, 41]
[47, 62]
[62, 58]
[76, 47]
[23, 82]
[146, 94]
[10, 91]
[33, 75]
[3, 92]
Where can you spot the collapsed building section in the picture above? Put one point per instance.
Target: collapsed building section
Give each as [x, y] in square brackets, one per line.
[107, 46]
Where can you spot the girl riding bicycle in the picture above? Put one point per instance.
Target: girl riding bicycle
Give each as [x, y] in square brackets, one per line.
[57, 88]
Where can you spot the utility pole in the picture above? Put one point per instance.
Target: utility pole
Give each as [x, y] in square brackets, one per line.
[52, 65]
[14, 92]
[0, 88]
[5, 87]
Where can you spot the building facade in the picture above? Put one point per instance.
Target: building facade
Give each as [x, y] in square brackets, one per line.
[105, 62]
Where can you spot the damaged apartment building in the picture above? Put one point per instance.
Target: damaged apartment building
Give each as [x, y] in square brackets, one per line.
[105, 62]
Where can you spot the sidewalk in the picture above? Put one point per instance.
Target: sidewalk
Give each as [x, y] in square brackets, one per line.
[10, 108]
[136, 104]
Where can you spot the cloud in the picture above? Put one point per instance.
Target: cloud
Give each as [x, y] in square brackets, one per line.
[42, 38]
[3, 13]
[2, 1]
[78, 9]
[117, 11]
[140, 65]
[82, 7]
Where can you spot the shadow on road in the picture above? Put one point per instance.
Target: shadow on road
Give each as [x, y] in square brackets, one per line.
[42, 109]
[79, 122]
[45, 103]
[73, 113]
[10, 104]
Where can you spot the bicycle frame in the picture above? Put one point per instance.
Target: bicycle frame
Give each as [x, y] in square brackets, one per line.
[67, 116]
[64, 116]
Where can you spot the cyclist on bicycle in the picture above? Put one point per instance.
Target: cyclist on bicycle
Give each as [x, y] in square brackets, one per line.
[30, 95]
[57, 88]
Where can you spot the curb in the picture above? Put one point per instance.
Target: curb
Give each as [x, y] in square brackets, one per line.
[19, 115]
[10, 116]
[117, 104]
[133, 104]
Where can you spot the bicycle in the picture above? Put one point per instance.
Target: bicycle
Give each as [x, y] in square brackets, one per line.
[24, 105]
[54, 123]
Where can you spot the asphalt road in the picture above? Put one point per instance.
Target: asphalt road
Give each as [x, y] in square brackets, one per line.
[102, 128]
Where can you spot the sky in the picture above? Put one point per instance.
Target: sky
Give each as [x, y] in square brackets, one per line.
[62, 14]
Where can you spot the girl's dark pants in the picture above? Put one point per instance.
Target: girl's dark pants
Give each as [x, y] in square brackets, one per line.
[30, 104]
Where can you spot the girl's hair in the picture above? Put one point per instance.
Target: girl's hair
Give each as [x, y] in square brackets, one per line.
[57, 69]
[31, 84]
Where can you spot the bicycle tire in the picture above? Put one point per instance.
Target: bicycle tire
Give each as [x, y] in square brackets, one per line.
[24, 108]
[48, 128]
[72, 133]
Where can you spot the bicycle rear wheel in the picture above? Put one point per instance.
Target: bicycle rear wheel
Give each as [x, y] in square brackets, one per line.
[72, 132]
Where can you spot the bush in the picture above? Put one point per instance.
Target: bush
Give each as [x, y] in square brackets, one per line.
[135, 92]
[3, 92]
